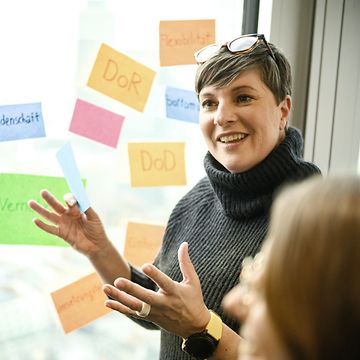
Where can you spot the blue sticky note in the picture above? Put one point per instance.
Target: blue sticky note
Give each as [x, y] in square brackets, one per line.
[182, 105]
[21, 121]
[67, 162]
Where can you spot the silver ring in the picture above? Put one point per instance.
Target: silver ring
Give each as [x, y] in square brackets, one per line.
[145, 310]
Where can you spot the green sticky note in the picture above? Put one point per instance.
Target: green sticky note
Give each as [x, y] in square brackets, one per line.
[16, 226]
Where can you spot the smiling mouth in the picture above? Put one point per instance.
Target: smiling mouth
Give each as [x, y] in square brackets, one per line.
[232, 138]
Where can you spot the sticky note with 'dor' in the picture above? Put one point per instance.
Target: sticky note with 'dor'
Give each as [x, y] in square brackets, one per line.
[122, 78]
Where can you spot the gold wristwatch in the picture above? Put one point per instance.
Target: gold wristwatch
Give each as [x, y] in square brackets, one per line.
[203, 344]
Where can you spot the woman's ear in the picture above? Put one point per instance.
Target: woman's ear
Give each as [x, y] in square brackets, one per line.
[285, 108]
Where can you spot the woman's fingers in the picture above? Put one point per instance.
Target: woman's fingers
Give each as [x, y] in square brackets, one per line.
[185, 264]
[51, 229]
[121, 301]
[135, 291]
[70, 200]
[164, 282]
[91, 215]
[56, 205]
[117, 306]
[52, 217]
[52, 202]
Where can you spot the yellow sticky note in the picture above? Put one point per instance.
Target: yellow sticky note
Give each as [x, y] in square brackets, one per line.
[122, 78]
[142, 242]
[180, 39]
[157, 164]
[81, 302]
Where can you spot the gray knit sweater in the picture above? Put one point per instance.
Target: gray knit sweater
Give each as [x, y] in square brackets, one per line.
[224, 218]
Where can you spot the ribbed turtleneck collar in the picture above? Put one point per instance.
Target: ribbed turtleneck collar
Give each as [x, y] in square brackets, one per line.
[250, 193]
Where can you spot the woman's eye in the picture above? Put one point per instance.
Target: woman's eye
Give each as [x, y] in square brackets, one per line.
[243, 99]
[206, 104]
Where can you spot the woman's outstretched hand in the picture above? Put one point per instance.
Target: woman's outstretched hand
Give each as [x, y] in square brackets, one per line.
[83, 231]
[176, 307]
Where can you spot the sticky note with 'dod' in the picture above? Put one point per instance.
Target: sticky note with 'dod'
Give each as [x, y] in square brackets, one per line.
[81, 302]
[122, 78]
[157, 164]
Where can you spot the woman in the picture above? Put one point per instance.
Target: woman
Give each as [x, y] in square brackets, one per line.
[304, 301]
[244, 89]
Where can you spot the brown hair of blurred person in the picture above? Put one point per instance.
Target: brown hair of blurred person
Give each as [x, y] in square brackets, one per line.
[312, 286]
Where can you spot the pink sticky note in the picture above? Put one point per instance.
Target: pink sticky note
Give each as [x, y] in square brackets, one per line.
[96, 123]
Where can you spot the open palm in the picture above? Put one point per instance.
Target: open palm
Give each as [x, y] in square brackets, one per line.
[83, 231]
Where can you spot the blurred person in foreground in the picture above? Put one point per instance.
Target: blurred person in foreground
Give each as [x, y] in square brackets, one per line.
[299, 299]
[244, 90]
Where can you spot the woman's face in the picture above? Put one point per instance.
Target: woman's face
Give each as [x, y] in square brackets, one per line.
[241, 122]
[260, 340]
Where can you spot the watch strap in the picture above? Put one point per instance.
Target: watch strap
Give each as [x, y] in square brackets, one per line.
[214, 326]
[212, 331]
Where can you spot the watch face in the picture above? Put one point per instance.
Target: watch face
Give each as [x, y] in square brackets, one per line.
[201, 345]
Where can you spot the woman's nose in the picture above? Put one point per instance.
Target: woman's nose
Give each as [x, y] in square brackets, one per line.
[224, 114]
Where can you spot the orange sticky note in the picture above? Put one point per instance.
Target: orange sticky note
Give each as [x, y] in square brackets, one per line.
[81, 302]
[122, 78]
[157, 164]
[179, 40]
[142, 242]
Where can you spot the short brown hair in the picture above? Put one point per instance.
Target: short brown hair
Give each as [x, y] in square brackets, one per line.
[225, 66]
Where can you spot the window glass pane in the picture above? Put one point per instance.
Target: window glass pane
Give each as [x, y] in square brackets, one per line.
[48, 50]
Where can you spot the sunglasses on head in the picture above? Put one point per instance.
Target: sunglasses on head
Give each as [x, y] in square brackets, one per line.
[241, 44]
